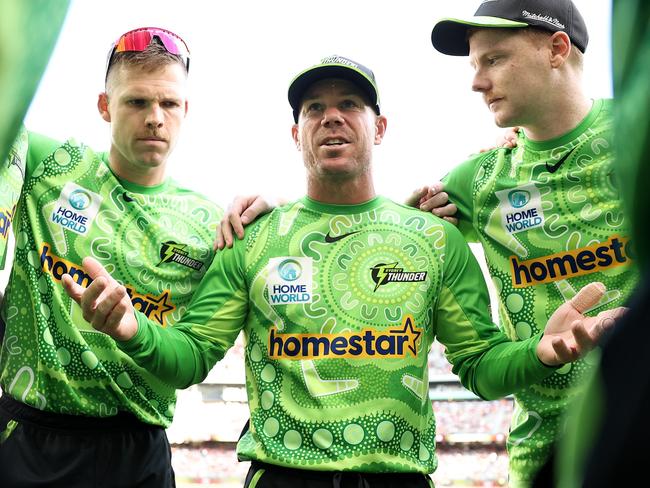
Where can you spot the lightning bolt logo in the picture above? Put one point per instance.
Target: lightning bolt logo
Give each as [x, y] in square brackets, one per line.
[168, 250]
[379, 273]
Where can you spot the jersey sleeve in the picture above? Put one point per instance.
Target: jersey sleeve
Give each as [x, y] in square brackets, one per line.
[12, 177]
[183, 355]
[459, 186]
[486, 361]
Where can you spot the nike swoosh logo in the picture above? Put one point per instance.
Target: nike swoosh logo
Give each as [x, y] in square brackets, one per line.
[329, 239]
[552, 168]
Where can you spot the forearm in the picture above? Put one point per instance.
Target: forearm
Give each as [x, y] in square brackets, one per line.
[173, 354]
[504, 369]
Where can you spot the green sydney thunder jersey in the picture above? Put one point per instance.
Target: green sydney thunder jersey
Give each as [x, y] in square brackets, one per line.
[550, 219]
[339, 307]
[157, 241]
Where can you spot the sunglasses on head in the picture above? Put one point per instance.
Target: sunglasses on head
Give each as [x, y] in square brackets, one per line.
[138, 40]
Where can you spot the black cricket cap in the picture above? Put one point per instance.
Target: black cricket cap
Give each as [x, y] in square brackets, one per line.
[449, 36]
[334, 67]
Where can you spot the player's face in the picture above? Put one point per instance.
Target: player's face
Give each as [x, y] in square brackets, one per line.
[336, 130]
[512, 72]
[146, 110]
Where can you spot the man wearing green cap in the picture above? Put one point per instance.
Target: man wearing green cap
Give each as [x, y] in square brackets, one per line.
[548, 212]
[340, 295]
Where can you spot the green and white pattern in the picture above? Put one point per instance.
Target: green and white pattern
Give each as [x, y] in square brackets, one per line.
[339, 307]
[157, 241]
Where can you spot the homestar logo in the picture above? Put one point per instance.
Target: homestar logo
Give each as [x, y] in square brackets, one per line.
[521, 208]
[366, 344]
[154, 307]
[290, 280]
[76, 208]
[172, 252]
[389, 273]
[555, 267]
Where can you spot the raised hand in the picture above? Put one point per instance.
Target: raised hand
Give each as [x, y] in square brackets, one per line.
[569, 334]
[105, 304]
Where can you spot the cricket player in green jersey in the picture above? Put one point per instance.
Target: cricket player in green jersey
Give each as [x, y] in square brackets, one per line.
[340, 296]
[76, 410]
[547, 212]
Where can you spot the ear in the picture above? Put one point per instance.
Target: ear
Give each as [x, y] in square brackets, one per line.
[380, 129]
[102, 106]
[186, 107]
[295, 133]
[560, 49]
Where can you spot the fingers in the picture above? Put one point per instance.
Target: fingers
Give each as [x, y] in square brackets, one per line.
[415, 198]
[95, 269]
[452, 220]
[588, 296]
[105, 318]
[585, 339]
[71, 287]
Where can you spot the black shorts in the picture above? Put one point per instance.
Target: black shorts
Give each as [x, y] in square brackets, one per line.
[44, 449]
[262, 475]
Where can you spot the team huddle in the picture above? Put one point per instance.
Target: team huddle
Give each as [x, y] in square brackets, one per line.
[117, 296]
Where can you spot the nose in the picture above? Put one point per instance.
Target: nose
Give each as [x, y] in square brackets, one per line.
[154, 118]
[480, 82]
[332, 116]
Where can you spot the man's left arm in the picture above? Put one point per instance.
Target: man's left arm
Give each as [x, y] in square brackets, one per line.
[487, 362]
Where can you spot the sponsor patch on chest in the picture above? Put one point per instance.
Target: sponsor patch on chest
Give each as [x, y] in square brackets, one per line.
[290, 280]
[521, 208]
[76, 208]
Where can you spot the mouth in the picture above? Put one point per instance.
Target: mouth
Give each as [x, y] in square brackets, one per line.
[492, 101]
[334, 142]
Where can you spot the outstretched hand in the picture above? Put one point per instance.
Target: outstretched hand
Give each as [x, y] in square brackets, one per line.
[105, 304]
[569, 334]
[242, 211]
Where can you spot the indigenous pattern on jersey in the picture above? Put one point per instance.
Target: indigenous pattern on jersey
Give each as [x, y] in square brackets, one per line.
[156, 241]
[550, 220]
[339, 306]
[12, 174]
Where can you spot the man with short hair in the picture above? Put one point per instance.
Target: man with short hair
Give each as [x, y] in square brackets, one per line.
[76, 410]
[548, 212]
[340, 295]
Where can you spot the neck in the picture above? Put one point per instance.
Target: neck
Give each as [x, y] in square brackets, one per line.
[568, 110]
[140, 175]
[341, 192]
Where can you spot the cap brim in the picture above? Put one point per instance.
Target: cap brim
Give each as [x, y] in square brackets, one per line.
[449, 36]
[304, 80]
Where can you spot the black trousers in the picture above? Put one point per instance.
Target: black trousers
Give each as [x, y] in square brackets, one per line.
[43, 449]
[261, 475]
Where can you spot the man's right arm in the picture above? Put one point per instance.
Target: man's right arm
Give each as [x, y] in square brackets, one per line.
[458, 184]
[183, 354]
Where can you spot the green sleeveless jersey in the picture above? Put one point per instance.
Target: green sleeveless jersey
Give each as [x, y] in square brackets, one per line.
[550, 220]
[339, 306]
[157, 241]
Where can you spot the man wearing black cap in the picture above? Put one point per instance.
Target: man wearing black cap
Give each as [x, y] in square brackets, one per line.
[340, 295]
[548, 212]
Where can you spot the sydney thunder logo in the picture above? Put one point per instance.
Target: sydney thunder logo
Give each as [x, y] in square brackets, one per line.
[171, 252]
[383, 274]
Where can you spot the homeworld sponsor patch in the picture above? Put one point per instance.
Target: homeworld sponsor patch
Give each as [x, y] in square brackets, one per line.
[383, 274]
[76, 208]
[521, 208]
[555, 267]
[172, 252]
[154, 307]
[371, 343]
[290, 280]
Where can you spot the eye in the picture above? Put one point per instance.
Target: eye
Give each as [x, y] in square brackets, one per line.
[492, 60]
[136, 102]
[350, 104]
[170, 104]
[314, 107]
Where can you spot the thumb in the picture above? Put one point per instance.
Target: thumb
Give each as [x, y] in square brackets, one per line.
[71, 287]
[588, 296]
[95, 269]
